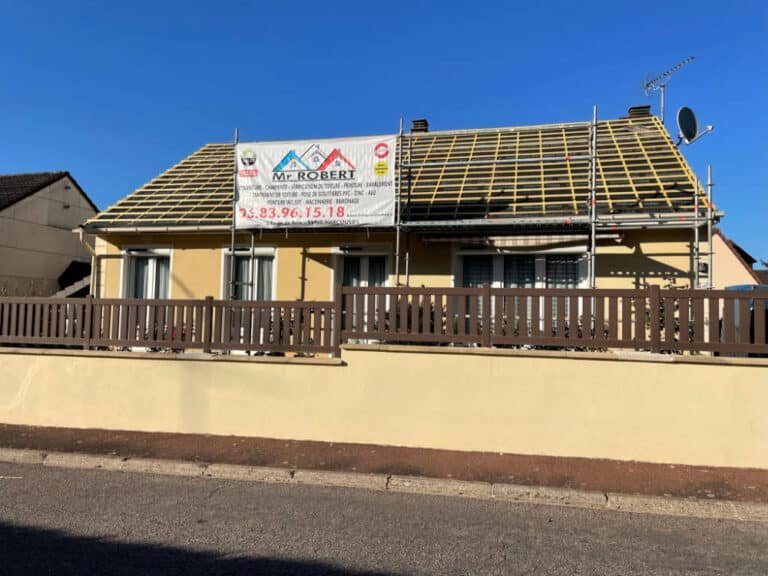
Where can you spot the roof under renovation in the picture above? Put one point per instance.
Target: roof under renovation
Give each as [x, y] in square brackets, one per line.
[517, 172]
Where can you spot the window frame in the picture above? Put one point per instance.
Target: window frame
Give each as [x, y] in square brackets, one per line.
[540, 264]
[365, 268]
[129, 255]
[339, 252]
[245, 250]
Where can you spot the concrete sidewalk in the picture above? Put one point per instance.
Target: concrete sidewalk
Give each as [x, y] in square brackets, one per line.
[584, 475]
[742, 511]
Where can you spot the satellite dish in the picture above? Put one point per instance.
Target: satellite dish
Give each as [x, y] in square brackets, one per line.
[687, 124]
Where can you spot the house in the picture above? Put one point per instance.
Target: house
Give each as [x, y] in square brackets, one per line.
[512, 207]
[39, 255]
[732, 264]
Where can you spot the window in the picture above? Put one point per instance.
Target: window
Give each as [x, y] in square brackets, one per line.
[148, 274]
[252, 275]
[523, 270]
[364, 271]
[478, 270]
[519, 271]
[563, 271]
[510, 271]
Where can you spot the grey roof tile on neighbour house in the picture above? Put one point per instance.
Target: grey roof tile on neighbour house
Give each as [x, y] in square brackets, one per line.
[15, 187]
[463, 175]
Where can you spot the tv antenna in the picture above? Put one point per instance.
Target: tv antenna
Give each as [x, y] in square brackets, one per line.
[660, 82]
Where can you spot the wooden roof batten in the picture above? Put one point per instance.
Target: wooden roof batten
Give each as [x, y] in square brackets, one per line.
[464, 178]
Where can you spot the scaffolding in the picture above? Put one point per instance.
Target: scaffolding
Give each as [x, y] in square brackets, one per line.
[436, 183]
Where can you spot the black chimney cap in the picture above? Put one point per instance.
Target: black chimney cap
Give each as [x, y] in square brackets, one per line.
[420, 125]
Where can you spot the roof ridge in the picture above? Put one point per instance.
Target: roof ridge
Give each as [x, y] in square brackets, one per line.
[489, 129]
[43, 173]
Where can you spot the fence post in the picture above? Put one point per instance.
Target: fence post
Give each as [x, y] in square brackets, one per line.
[654, 302]
[337, 307]
[486, 315]
[87, 328]
[207, 324]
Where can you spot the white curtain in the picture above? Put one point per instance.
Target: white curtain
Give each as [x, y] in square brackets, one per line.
[162, 277]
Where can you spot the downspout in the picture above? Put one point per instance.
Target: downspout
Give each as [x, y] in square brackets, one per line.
[95, 259]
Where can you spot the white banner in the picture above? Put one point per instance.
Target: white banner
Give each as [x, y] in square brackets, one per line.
[316, 183]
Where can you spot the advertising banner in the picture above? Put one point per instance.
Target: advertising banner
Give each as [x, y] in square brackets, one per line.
[316, 183]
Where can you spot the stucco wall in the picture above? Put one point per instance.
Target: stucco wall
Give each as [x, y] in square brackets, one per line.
[668, 412]
[36, 239]
[729, 269]
[660, 257]
[305, 263]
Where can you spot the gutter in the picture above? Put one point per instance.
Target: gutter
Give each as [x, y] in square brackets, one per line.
[680, 220]
[155, 229]
[80, 231]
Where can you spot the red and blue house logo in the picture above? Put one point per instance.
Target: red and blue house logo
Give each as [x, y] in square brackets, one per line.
[314, 159]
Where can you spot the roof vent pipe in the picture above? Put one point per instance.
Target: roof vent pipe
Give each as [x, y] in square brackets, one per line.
[420, 125]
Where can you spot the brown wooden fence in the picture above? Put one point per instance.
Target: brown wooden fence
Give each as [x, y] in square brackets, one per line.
[651, 319]
[208, 325]
[647, 319]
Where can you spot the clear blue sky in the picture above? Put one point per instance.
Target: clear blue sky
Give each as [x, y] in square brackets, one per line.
[118, 92]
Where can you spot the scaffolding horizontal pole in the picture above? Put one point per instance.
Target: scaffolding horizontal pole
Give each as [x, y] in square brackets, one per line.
[504, 129]
[500, 161]
[679, 220]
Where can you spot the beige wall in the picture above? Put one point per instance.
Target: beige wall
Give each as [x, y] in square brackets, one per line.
[306, 262]
[668, 412]
[646, 256]
[728, 268]
[36, 239]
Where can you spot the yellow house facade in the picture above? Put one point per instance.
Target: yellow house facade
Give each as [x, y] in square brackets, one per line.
[510, 207]
[306, 266]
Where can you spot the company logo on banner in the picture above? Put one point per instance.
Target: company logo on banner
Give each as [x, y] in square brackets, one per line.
[313, 184]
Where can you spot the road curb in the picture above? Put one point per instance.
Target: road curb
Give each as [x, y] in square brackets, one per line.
[723, 509]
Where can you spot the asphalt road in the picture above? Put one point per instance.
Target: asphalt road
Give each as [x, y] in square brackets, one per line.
[76, 522]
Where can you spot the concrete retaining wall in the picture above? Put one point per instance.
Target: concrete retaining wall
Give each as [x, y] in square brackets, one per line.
[580, 405]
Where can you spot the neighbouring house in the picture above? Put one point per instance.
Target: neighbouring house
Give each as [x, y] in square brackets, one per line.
[39, 255]
[506, 206]
[732, 264]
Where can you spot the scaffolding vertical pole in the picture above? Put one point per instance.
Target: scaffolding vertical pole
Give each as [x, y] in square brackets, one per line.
[408, 217]
[593, 198]
[252, 267]
[234, 217]
[696, 252]
[397, 202]
[408, 258]
[710, 216]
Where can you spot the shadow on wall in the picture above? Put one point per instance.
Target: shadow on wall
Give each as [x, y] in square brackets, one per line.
[642, 268]
[25, 550]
